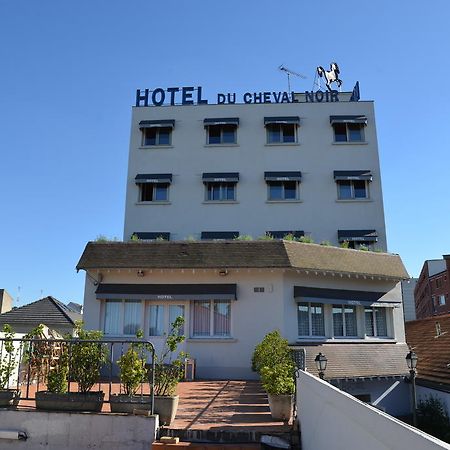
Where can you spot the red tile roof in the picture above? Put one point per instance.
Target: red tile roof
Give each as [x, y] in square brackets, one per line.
[432, 349]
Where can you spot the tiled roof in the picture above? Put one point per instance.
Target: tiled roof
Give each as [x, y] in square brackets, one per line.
[240, 254]
[359, 360]
[48, 310]
[433, 350]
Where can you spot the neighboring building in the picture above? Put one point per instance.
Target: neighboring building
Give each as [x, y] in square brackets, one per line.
[430, 339]
[232, 293]
[48, 311]
[6, 301]
[409, 306]
[432, 291]
[218, 171]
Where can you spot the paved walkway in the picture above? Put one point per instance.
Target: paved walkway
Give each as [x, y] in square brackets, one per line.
[225, 405]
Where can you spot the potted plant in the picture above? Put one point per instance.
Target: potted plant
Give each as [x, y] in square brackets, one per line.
[133, 372]
[79, 362]
[168, 373]
[8, 367]
[273, 360]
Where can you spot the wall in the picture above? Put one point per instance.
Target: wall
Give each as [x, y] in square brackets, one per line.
[328, 415]
[6, 301]
[409, 306]
[315, 155]
[72, 431]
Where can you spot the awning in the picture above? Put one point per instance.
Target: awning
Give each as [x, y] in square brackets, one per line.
[222, 121]
[294, 120]
[166, 291]
[348, 119]
[151, 235]
[352, 175]
[219, 235]
[216, 177]
[343, 297]
[357, 235]
[282, 234]
[144, 178]
[283, 176]
[157, 124]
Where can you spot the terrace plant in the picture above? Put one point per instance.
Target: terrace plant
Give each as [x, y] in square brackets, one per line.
[9, 358]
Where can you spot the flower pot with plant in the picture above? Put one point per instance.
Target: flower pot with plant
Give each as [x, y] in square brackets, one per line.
[133, 373]
[9, 395]
[168, 373]
[273, 360]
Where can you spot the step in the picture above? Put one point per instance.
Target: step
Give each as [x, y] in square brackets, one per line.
[200, 446]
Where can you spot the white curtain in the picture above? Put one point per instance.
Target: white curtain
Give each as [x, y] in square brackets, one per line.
[156, 325]
[132, 317]
[201, 318]
[174, 312]
[112, 317]
[222, 318]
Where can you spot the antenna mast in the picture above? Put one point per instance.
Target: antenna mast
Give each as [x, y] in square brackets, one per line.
[289, 72]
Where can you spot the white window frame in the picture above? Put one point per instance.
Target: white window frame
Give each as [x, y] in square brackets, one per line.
[212, 334]
[154, 186]
[361, 128]
[166, 317]
[324, 314]
[352, 190]
[344, 330]
[284, 199]
[375, 331]
[158, 130]
[222, 126]
[223, 190]
[281, 127]
[442, 300]
[121, 316]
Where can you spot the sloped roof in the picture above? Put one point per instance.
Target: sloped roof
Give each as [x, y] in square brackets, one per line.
[433, 350]
[359, 360]
[48, 311]
[240, 254]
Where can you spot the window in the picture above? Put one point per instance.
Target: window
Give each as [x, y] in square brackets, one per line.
[283, 190]
[161, 318]
[154, 192]
[310, 319]
[221, 131]
[211, 318]
[281, 130]
[282, 234]
[375, 322]
[441, 300]
[348, 128]
[281, 133]
[150, 236]
[282, 186]
[356, 238]
[219, 235]
[156, 132]
[156, 136]
[220, 191]
[349, 190]
[438, 283]
[122, 317]
[344, 321]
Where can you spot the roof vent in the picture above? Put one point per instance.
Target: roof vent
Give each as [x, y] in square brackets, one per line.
[438, 328]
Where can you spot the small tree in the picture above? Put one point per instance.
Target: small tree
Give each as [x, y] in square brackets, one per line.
[278, 379]
[8, 360]
[273, 349]
[168, 371]
[58, 373]
[433, 418]
[87, 358]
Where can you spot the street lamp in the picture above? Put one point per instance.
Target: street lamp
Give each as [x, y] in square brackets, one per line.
[411, 360]
[321, 364]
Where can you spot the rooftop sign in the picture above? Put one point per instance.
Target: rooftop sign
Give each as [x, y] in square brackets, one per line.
[189, 95]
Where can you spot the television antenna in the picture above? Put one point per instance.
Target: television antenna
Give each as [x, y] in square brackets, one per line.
[289, 72]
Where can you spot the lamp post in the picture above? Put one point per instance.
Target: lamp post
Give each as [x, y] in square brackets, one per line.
[411, 360]
[321, 364]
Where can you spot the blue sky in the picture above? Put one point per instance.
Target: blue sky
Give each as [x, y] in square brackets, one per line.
[68, 76]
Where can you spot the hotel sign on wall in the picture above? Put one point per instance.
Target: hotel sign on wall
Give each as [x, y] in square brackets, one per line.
[189, 95]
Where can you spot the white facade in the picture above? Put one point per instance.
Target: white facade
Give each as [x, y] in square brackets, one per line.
[184, 210]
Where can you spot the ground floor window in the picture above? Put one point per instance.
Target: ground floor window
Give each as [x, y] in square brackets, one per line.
[311, 319]
[211, 318]
[122, 317]
[375, 322]
[162, 316]
[344, 320]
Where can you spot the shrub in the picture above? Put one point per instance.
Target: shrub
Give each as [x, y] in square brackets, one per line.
[433, 418]
[272, 350]
[278, 379]
[306, 240]
[345, 244]
[8, 358]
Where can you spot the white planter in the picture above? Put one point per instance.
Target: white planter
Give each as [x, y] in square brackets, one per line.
[281, 406]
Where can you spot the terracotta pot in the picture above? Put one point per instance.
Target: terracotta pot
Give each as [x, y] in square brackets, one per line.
[70, 401]
[166, 407]
[281, 406]
[123, 403]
